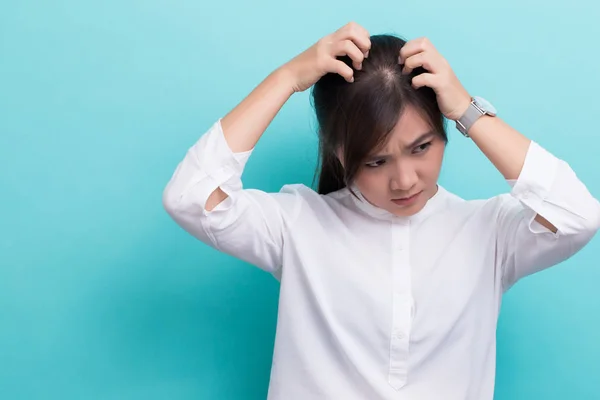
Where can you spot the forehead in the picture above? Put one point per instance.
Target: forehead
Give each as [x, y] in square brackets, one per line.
[409, 129]
[411, 124]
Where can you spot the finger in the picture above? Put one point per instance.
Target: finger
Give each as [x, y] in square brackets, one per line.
[425, 79]
[349, 48]
[413, 47]
[425, 60]
[342, 69]
[359, 35]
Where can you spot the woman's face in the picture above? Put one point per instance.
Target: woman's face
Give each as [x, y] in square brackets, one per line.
[402, 176]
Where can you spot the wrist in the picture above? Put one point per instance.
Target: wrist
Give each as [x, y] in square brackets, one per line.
[286, 78]
[478, 107]
[462, 107]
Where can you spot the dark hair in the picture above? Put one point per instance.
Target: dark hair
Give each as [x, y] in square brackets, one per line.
[358, 117]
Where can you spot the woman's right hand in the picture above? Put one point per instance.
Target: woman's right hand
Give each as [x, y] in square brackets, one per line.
[308, 67]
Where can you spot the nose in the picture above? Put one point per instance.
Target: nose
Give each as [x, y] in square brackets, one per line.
[404, 179]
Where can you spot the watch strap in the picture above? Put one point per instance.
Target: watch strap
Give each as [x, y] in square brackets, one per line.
[473, 113]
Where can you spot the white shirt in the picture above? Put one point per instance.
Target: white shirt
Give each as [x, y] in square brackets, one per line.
[374, 306]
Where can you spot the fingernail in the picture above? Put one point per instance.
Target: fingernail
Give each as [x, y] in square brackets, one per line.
[351, 79]
[400, 60]
[367, 54]
[359, 66]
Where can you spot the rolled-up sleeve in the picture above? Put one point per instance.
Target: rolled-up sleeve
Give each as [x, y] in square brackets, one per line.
[249, 224]
[549, 187]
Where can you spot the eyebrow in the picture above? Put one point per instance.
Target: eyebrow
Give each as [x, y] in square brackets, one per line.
[421, 138]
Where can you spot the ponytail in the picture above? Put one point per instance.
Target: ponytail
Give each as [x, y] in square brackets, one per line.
[331, 174]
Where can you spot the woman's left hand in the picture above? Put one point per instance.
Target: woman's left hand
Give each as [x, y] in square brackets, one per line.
[452, 97]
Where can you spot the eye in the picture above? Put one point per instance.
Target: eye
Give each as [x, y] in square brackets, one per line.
[421, 148]
[375, 164]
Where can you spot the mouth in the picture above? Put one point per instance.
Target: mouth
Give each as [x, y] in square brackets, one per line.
[405, 201]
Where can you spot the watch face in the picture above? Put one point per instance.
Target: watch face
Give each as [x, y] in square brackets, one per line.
[485, 105]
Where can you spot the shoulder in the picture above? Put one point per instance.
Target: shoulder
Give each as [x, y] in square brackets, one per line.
[311, 203]
[484, 207]
[307, 195]
[292, 197]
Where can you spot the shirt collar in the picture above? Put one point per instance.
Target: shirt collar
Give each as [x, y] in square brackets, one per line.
[433, 204]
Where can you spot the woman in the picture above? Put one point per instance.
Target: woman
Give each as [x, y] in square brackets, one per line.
[390, 285]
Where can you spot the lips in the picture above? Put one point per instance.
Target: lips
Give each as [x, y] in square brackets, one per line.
[403, 201]
[407, 197]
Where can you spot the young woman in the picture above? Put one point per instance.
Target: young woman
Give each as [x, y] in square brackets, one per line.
[390, 285]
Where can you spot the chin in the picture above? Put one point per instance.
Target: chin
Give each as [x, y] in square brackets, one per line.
[407, 211]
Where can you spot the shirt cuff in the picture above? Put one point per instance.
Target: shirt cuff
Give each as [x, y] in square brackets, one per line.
[536, 178]
[215, 152]
[216, 165]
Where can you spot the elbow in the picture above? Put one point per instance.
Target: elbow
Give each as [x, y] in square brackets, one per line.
[171, 200]
[589, 225]
[594, 219]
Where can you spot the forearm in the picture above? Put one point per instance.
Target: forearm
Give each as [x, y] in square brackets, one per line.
[244, 125]
[507, 149]
[503, 145]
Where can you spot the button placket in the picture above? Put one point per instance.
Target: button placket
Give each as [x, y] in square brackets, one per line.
[402, 306]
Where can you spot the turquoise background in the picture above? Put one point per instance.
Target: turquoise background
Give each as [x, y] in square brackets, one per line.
[102, 296]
